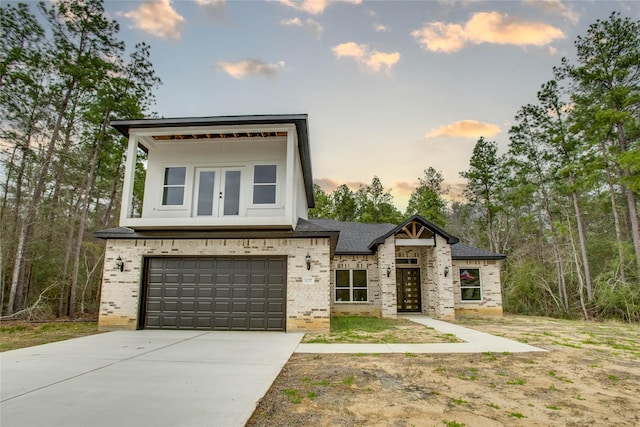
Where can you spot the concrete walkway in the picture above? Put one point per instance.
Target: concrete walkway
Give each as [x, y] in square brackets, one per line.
[159, 378]
[475, 342]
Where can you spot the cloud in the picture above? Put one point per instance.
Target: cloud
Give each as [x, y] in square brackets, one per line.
[404, 188]
[380, 28]
[485, 27]
[465, 129]
[371, 59]
[157, 18]
[330, 185]
[553, 51]
[314, 7]
[308, 24]
[251, 67]
[556, 7]
[217, 8]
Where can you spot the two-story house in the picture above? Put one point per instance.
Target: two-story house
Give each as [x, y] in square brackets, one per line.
[223, 240]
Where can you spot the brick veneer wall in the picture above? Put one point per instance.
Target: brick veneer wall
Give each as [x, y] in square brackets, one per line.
[491, 304]
[308, 291]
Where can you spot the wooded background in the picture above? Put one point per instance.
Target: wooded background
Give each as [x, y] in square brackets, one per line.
[561, 203]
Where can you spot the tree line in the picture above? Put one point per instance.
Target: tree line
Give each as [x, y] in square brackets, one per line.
[64, 75]
[562, 202]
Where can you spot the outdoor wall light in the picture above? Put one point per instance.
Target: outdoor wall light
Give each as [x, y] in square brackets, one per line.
[446, 271]
[119, 263]
[307, 259]
[388, 271]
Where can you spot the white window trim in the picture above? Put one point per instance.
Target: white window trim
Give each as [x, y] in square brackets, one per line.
[277, 184]
[185, 186]
[351, 287]
[471, 301]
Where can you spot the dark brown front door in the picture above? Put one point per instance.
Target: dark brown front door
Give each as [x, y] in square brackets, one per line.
[408, 289]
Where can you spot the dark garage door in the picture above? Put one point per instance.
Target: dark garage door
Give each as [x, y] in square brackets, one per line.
[216, 293]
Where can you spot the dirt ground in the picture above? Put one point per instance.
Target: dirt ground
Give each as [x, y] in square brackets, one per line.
[589, 377]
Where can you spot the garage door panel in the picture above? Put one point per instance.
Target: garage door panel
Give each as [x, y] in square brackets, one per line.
[257, 307]
[223, 293]
[257, 292]
[276, 293]
[240, 292]
[205, 278]
[170, 291]
[239, 307]
[187, 306]
[204, 292]
[222, 307]
[223, 279]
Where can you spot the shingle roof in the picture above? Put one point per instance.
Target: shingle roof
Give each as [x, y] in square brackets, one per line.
[358, 239]
[462, 251]
[355, 237]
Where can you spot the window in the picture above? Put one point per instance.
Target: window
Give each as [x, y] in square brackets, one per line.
[173, 188]
[351, 286]
[406, 261]
[470, 284]
[264, 184]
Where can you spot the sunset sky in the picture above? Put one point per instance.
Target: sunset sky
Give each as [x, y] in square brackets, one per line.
[391, 87]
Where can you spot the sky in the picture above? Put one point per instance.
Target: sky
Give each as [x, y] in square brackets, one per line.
[391, 87]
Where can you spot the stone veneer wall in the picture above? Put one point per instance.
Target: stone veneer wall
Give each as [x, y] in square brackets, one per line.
[357, 262]
[388, 291]
[491, 304]
[308, 291]
[443, 292]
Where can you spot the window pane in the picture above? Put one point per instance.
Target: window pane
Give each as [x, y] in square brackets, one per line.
[470, 277]
[471, 294]
[173, 196]
[264, 174]
[360, 278]
[360, 295]
[342, 294]
[205, 193]
[342, 278]
[264, 194]
[232, 193]
[174, 176]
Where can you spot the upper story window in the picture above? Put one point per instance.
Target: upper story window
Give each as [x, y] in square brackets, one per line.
[264, 184]
[470, 288]
[173, 187]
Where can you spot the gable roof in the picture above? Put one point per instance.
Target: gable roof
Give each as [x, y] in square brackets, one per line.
[299, 120]
[417, 218]
[358, 238]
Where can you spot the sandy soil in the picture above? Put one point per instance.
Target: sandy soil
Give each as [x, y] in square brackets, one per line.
[590, 376]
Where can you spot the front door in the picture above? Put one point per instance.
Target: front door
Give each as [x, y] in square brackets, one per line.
[408, 289]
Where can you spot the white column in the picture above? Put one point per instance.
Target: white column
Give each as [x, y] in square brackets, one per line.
[129, 177]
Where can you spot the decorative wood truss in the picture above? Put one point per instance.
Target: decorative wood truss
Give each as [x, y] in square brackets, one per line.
[415, 234]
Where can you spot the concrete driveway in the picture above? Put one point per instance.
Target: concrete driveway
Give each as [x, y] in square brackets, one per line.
[142, 378]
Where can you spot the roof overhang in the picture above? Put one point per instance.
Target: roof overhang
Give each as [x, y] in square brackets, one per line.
[422, 222]
[300, 121]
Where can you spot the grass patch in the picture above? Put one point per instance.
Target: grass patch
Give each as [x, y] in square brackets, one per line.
[376, 330]
[459, 401]
[21, 335]
[453, 423]
[517, 381]
[517, 415]
[293, 395]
